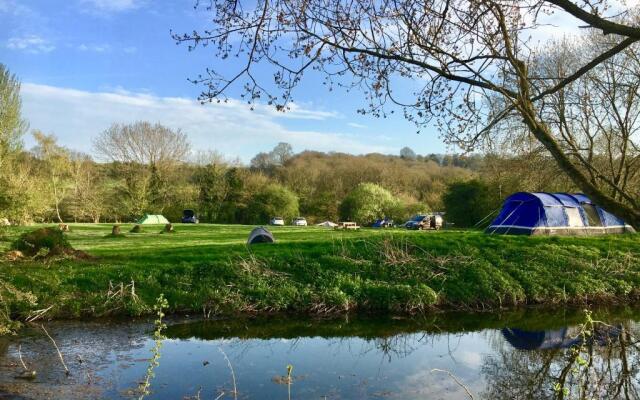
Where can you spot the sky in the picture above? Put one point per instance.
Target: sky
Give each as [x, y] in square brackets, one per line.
[85, 64]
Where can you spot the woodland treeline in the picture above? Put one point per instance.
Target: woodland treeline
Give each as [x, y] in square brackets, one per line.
[62, 185]
[148, 168]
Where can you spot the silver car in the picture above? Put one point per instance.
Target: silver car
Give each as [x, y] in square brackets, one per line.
[277, 221]
[300, 221]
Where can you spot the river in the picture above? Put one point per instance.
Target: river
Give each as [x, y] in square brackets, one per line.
[523, 354]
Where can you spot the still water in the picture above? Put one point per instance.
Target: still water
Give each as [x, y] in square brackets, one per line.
[522, 354]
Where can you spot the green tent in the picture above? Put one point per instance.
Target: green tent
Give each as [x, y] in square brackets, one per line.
[149, 219]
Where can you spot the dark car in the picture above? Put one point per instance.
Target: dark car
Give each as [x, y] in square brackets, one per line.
[189, 217]
[383, 223]
[420, 222]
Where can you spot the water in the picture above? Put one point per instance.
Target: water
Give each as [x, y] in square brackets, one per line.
[523, 354]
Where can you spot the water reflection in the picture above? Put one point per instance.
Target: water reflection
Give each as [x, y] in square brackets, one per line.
[538, 355]
[598, 361]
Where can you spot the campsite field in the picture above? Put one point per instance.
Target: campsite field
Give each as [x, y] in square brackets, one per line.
[207, 269]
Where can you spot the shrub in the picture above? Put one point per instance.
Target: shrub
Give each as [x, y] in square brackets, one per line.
[467, 203]
[31, 243]
[368, 202]
[274, 200]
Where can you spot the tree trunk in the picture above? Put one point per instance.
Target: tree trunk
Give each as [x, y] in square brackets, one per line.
[542, 132]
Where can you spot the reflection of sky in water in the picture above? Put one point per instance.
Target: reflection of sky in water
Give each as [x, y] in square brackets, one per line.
[350, 368]
[374, 359]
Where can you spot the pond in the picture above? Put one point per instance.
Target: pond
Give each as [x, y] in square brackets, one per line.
[522, 354]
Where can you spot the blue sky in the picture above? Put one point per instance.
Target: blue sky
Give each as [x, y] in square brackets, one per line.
[87, 63]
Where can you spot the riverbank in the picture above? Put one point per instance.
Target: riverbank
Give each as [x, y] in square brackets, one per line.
[208, 270]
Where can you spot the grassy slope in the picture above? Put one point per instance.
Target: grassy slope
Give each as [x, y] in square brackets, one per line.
[207, 268]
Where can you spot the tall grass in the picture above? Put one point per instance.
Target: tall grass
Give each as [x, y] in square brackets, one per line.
[208, 269]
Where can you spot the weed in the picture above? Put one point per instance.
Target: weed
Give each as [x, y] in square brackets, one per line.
[158, 338]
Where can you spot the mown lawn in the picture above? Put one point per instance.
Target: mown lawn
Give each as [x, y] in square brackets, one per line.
[207, 269]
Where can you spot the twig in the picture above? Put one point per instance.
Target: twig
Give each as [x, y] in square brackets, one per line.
[219, 396]
[66, 370]
[456, 380]
[38, 314]
[20, 356]
[233, 375]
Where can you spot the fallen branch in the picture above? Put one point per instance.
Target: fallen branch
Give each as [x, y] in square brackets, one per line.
[37, 314]
[28, 373]
[20, 356]
[456, 380]
[66, 370]
[233, 375]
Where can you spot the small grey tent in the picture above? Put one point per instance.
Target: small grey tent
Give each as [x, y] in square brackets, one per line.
[260, 235]
[149, 219]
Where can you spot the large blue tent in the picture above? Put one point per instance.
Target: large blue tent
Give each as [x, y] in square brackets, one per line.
[555, 214]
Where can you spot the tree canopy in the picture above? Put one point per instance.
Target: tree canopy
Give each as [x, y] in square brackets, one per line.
[12, 125]
[368, 202]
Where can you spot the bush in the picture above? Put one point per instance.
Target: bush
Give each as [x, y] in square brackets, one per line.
[52, 239]
[467, 203]
[274, 200]
[368, 202]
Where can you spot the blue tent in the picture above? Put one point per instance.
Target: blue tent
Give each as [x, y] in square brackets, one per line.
[539, 340]
[555, 214]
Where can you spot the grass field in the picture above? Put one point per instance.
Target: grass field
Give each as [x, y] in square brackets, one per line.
[207, 269]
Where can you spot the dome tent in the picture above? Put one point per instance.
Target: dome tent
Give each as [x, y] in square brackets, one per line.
[540, 340]
[554, 214]
[260, 235]
[149, 219]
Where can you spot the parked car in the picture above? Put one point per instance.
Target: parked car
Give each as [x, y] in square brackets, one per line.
[428, 221]
[277, 221]
[300, 221]
[189, 217]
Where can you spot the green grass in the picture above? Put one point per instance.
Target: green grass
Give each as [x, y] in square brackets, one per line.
[207, 269]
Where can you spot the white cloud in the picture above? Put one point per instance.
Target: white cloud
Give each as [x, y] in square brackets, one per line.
[97, 48]
[130, 49]
[77, 116]
[113, 5]
[13, 8]
[355, 125]
[33, 44]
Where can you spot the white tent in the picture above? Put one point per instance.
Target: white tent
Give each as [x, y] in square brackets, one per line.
[327, 224]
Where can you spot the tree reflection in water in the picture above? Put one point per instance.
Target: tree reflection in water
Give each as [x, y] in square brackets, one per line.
[592, 361]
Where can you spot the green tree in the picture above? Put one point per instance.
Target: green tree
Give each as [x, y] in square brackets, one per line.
[12, 126]
[467, 203]
[21, 198]
[85, 201]
[57, 164]
[368, 202]
[15, 180]
[147, 157]
[212, 187]
[407, 153]
[274, 200]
